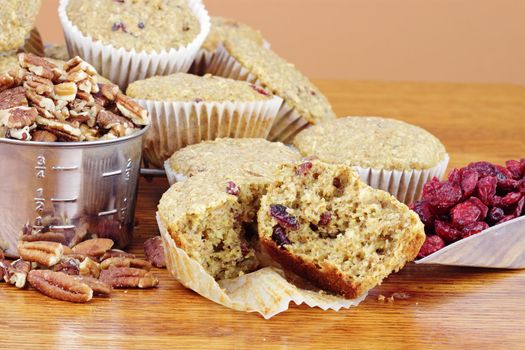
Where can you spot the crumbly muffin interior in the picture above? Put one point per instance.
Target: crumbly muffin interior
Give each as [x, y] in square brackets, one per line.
[191, 88]
[206, 222]
[342, 225]
[140, 25]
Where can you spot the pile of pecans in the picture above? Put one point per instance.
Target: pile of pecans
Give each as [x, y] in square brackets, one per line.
[76, 274]
[40, 101]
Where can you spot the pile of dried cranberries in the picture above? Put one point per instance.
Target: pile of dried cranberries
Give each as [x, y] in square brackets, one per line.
[473, 198]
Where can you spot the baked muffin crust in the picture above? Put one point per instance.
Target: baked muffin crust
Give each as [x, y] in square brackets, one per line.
[371, 142]
[140, 25]
[222, 28]
[188, 87]
[282, 78]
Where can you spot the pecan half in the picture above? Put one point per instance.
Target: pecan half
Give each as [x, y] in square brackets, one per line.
[89, 267]
[98, 287]
[58, 285]
[18, 117]
[40, 85]
[154, 251]
[43, 136]
[6, 82]
[94, 247]
[125, 262]
[109, 91]
[131, 109]
[44, 253]
[63, 130]
[13, 98]
[40, 101]
[116, 253]
[119, 125]
[37, 65]
[4, 264]
[127, 277]
[44, 237]
[77, 64]
[16, 273]
[68, 265]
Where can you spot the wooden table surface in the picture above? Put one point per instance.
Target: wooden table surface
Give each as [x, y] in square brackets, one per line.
[445, 307]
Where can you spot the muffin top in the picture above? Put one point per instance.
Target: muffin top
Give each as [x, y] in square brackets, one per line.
[371, 142]
[188, 87]
[282, 78]
[140, 25]
[222, 28]
[233, 158]
[7, 63]
[17, 18]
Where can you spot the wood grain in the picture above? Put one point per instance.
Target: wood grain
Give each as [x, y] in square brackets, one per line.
[443, 307]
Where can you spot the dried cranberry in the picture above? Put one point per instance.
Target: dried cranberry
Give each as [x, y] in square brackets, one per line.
[424, 210]
[469, 181]
[232, 188]
[337, 182]
[455, 176]
[515, 168]
[279, 213]
[119, 26]
[279, 236]
[522, 166]
[304, 168]
[521, 186]
[441, 194]
[198, 100]
[448, 233]
[483, 168]
[502, 173]
[432, 244]
[260, 90]
[506, 218]
[141, 25]
[484, 209]
[508, 185]
[519, 207]
[325, 219]
[465, 214]
[495, 215]
[245, 248]
[475, 227]
[509, 199]
[487, 189]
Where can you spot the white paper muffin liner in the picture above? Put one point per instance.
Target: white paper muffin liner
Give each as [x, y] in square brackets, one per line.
[122, 66]
[288, 122]
[264, 291]
[204, 57]
[405, 185]
[501, 246]
[175, 125]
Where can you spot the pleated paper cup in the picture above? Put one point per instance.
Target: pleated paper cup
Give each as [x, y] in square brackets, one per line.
[202, 62]
[172, 176]
[175, 125]
[289, 121]
[265, 291]
[122, 66]
[405, 185]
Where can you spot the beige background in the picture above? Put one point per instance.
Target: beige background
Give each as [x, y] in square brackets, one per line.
[417, 40]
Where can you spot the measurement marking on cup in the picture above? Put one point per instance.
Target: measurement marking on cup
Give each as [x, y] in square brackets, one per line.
[65, 168]
[62, 227]
[108, 213]
[64, 200]
[112, 173]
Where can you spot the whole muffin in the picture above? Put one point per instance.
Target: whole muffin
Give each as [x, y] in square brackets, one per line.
[17, 18]
[378, 147]
[305, 104]
[322, 222]
[139, 25]
[187, 109]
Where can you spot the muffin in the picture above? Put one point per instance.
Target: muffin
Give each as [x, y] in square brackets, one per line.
[131, 40]
[256, 157]
[222, 28]
[58, 52]
[321, 222]
[8, 63]
[187, 109]
[304, 104]
[17, 18]
[202, 218]
[388, 154]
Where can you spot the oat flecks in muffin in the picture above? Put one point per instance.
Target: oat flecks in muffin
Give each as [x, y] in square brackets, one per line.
[8, 63]
[282, 78]
[191, 88]
[248, 157]
[328, 227]
[222, 28]
[204, 221]
[17, 18]
[140, 25]
[371, 142]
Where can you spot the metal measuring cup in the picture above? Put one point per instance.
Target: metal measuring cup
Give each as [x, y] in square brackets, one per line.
[78, 189]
